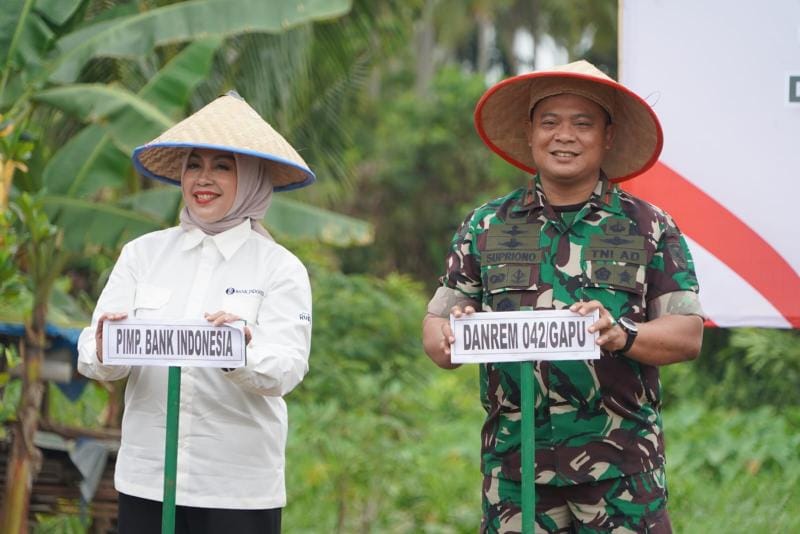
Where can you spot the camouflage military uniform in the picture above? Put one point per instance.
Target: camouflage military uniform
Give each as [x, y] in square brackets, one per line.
[598, 419]
[634, 503]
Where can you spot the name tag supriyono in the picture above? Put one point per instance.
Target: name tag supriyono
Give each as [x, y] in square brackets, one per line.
[524, 335]
[171, 343]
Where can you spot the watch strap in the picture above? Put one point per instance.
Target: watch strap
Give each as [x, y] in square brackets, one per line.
[631, 337]
[628, 342]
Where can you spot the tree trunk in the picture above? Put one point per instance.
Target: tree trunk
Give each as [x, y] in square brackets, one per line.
[341, 512]
[485, 42]
[25, 459]
[534, 26]
[424, 48]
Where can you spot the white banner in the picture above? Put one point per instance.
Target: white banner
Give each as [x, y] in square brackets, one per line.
[724, 79]
[173, 343]
[523, 335]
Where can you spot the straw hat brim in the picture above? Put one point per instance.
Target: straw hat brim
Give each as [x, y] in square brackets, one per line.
[228, 124]
[502, 112]
[286, 175]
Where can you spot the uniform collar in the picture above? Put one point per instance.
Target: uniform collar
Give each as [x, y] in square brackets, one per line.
[227, 242]
[605, 196]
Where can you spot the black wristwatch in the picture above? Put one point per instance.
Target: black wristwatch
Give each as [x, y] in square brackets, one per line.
[632, 330]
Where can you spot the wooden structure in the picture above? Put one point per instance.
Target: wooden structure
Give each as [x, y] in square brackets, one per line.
[56, 489]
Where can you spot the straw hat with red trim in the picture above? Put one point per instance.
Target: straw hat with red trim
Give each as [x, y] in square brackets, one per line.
[228, 123]
[503, 109]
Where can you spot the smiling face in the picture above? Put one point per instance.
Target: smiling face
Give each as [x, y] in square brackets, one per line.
[569, 136]
[209, 184]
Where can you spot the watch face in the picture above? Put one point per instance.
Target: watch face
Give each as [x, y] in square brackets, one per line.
[628, 324]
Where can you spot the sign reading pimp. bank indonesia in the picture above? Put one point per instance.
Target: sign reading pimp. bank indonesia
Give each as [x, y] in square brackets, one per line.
[523, 335]
[173, 343]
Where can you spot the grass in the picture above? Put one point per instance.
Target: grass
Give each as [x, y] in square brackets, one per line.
[768, 502]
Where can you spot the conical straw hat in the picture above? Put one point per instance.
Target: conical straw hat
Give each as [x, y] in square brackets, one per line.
[503, 109]
[228, 123]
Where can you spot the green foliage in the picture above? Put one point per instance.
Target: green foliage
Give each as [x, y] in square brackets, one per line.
[423, 170]
[119, 76]
[37, 246]
[137, 34]
[742, 368]
[87, 411]
[304, 221]
[771, 357]
[11, 281]
[586, 29]
[724, 444]
[348, 311]
[59, 524]
[10, 389]
[99, 155]
[370, 438]
[733, 433]
[12, 288]
[323, 67]
[733, 471]
[367, 471]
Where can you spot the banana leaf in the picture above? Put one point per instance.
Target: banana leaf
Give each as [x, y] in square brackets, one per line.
[161, 203]
[14, 17]
[304, 221]
[95, 102]
[58, 12]
[137, 35]
[87, 162]
[86, 222]
[94, 157]
[157, 208]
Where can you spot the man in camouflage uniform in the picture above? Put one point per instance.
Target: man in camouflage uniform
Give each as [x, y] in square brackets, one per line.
[572, 239]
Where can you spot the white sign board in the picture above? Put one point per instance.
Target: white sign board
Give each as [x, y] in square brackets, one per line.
[724, 79]
[523, 335]
[171, 343]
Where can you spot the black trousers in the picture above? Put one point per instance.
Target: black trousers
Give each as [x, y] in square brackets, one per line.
[142, 516]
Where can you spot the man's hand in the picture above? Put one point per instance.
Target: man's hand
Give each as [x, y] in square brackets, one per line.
[661, 341]
[612, 337]
[437, 336]
[98, 334]
[219, 318]
[447, 333]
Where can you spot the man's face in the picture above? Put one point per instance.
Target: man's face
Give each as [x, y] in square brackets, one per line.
[569, 136]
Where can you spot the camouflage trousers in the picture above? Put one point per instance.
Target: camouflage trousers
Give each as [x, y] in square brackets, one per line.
[632, 504]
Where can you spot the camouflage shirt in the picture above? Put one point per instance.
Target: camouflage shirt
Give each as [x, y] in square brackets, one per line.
[595, 419]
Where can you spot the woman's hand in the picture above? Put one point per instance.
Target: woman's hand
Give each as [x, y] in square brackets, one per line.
[98, 334]
[221, 317]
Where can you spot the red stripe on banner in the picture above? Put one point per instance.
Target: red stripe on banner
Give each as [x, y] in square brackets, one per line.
[724, 235]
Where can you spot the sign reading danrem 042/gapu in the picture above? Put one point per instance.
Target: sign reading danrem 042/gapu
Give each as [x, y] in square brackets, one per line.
[523, 335]
[173, 343]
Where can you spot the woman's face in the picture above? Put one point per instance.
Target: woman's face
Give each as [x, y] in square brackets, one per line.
[209, 184]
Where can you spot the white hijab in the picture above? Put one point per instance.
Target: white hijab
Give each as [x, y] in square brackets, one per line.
[253, 197]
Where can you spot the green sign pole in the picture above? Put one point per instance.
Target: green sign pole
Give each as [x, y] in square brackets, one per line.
[171, 453]
[528, 449]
